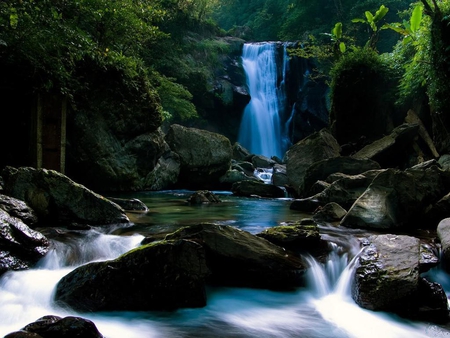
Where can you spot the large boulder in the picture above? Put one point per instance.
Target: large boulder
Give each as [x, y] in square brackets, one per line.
[316, 147]
[57, 199]
[339, 188]
[342, 164]
[20, 246]
[54, 326]
[397, 199]
[204, 156]
[387, 279]
[158, 276]
[165, 174]
[389, 150]
[108, 152]
[238, 258]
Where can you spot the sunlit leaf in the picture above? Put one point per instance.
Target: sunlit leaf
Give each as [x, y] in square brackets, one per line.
[416, 18]
[380, 14]
[342, 47]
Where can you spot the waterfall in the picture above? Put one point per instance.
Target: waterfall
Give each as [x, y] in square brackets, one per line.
[260, 130]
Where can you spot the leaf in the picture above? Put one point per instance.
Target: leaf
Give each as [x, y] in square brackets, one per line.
[380, 14]
[337, 30]
[342, 47]
[369, 17]
[13, 18]
[395, 27]
[359, 20]
[416, 18]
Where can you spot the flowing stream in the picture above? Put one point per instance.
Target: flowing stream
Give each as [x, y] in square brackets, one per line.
[323, 308]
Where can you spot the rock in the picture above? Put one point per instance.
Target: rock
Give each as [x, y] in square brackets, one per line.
[279, 176]
[397, 199]
[322, 169]
[20, 246]
[318, 146]
[432, 303]
[293, 236]
[437, 212]
[244, 166]
[233, 176]
[54, 326]
[260, 161]
[444, 162]
[251, 188]
[112, 151]
[387, 275]
[158, 276]
[57, 199]
[413, 118]
[344, 190]
[132, 204]
[443, 232]
[428, 257]
[239, 152]
[238, 258]
[166, 172]
[202, 197]
[19, 209]
[330, 212]
[388, 150]
[204, 156]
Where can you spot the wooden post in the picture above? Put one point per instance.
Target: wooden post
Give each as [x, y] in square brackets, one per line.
[50, 124]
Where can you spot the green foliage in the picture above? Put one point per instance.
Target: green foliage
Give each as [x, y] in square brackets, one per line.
[373, 20]
[175, 100]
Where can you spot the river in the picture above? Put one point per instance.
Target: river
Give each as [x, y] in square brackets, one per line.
[323, 308]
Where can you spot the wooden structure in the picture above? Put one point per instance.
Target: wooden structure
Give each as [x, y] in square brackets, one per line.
[49, 134]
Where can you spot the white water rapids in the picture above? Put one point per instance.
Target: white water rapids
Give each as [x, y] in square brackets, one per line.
[322, 309]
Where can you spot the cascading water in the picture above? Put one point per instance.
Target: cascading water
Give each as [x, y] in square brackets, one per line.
[260, 130]
[322, 309]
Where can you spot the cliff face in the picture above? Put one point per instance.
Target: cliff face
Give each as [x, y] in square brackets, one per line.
[304, 102]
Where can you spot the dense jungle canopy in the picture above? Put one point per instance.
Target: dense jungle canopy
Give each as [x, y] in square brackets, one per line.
[132, 52]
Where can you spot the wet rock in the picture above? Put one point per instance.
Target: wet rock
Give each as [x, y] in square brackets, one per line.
[397, 199]
[293, 236]
[437, 212]
[158, 276]
[310, 204]
[428, 256]
[203, 197]
[204, 156]
[322, 169]
[316, 147]
[20, 246]
[132, 204]
[330, 212]
[279, 176]
[233, 176]
[240, 153]
[252, 188]
[387, 275]
[57, 199]
[260, 161]
[238, 258]
[388, 150]
[432, 303]
[54, 326]
[165, 173]
[17, 208]
[443, 232]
